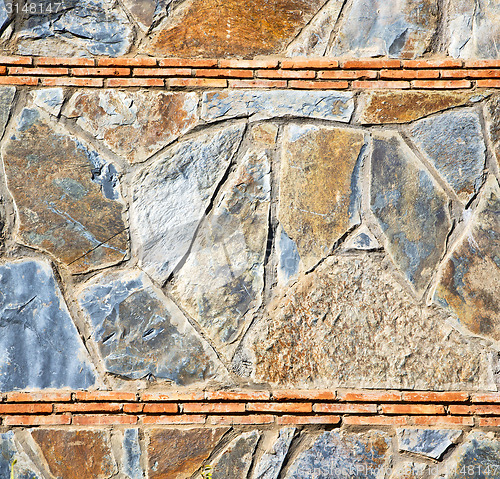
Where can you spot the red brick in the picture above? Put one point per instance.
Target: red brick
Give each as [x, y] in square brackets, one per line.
[408, 74]
[313, 85]
[485, 397]
[347, 74]
[132, 408]
[237, 395]
[346, 408]
[443, 420]
[144, 82]
[173, 396]
[482, 64]
[285, 74]
[487, 409]
[257, 83]
[162, 72]
[245, 419]
[127, 62]
[370, 63]
[444, 63]
[455, 73]
[470, 74]
[369, 396]
[441, 84]
[105, 396]
[103, 420]
[488, 83]
[51, 420]
[20, 408]
[214, 407]
[375, 420]
[188, 62]
[198, 82]
[164, 408]
[381, 84]
[70, 62]
[88, 407]
[5, 60]
[488, 421]
[223, 73]
[263, 63]
[180, 419]
[88, 82]
[8, 80]
[280, 407]
[460, 409]
[38, 71]
[100, 72]
[309, 63]
[3, 70]
[445, 396]
[305, 420]
[311, 395]
[55, 396]
[420, 409]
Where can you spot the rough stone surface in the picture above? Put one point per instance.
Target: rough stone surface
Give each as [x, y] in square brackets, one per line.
[4, 16]
[66, 195]
[49, 99]
[147, 12]
[431, 443]
[134, 125]
[243, 28]
[322, 105]
[40, 346]
[410, 207]
[288, 258]
[132, 454]
[493, 110]
[7, 94]
[350, 324]
[140, 332]
[470, 283]
[362, 239]
[9, 451]
[410, 470]
[319, 197]
[178, 453]
[170, 197]
[76, 454]
[338, 455]
[454, 144]
[269, 465]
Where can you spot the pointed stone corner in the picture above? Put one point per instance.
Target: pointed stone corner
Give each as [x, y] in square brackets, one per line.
[139, 332]
[469, 286]
[23, 467]
[171, 196]
[362, 239]
[40, 346]
[411, 208]
[432, 443]
[49, 99]
[271, 462]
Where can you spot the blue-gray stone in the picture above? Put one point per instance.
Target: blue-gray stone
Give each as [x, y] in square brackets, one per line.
[362, 239]
[271, 462]
[289, 259]
[4, 16]
[49, 99]
[23, 468]
[6, 98]
[132, 454]
[39, 345]
[323, 105]
[431, 443]
[454, 144]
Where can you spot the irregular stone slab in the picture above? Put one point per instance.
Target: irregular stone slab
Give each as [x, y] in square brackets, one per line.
[9, 451]
[410, 470]
[395, 28]
[132, 454]
[76, 27]
[236, 458]
[431, 443]
[66, 195]
[288, 258]
[76, 454]
[134, 125]
[350, 324]
[470, 283]
[49, 99]
[170, 197]
[362, 239]
[258, 105]
[4, 16]
[319, 198]
[7, 94]
[493, 125]
[223, 277]
[147, 12]
[410, 207]
[178, 453]
[271, 462]
[339, 455]
[379, 107]
[235, 28]
[264, 134]
[39, 345]
[453, 142]
[140, 332]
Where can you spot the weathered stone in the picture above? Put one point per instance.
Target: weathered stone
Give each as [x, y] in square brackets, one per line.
[243, 28]
[269, 465]
[49, 99]
[431, 443]
[9, 451]
[223, 277]
[147, 12]
[76, 454]
[410, 470]
[235, 459]
[339, 455]
[171, 196]
[350, 324]
[288, 258]
[4, 16]
[380, 107]
[135, 125]
[453, 142]
[470, 283]
[493, 125]
[7, 94]
[76, 27]
[178, 453]
[395, 28]
[65, 194]
[410, 207]
[264, 134]
[140, 332]
[258, 105]
[40, 346]
[131, 446]
[320, 194]
[362, 239]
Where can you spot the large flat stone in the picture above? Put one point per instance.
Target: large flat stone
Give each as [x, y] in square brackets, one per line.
[319, 196]
[134, 125]
[470, 283]
[271, 462]
[170, 197]
[10, 452]
[40, 346]
[350, 324]
[140, 332]
[7, 94]
[243, 28]
[258, 105]
[431, 443]
[66, 195]
[454, 144]
[410, 207]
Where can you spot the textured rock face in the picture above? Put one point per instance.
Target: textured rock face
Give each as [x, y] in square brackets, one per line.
[23, 468]
[135, 125]
[431, 443]
[6, 98]
[319, 196]
[50, 100]
[362, 239]
[132, 454]
[40, 346]
[272, 460]
[140, 333]
[493, 109]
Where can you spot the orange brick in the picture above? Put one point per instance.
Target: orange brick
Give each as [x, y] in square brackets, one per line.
[70, 62]
[443, 420]
[180, 419]
[5, 60]
[280, 407]
[127, 62]
[313, 85]
[488, 83]
[198, 82]
[381, 84]
[188, 62]
[126, 82]
[3, 70]
[311, 395]
[312, 63]
[487, 409]
[162, 72]
[56, 396]
[88, 82]
[223, 73]
[431, 396]
[369, 396]
[489, 421]
[245, 419]
[369, 63]
[420, 409]
[460, 409]
[444, 63]
[8, 80]
[132, 408]
[103, 420]
[105, 396]
[347, 74]
[173, 396]
[51, 420]
[485, 397]
[20, 408]
[237, 395]
[408, 74]
[482, 64]
[455, 73]
[263, 63]
[376, 420]
[100, 72]
[88, 407]
[285, 73]
[304, 420]
[257, 83]
[164, 408]
[441, 84]
[346, 408]
[214, 407]
[38, 71]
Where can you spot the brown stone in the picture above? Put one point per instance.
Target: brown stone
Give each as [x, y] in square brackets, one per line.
[76, 454]
[177, 454]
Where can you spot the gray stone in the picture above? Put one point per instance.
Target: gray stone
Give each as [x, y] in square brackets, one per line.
[4, 16]
[410, 470]
[40, 346]
[339, 455]
[454, 144]
[10, 452]
[258, 105]
[132, 454]
[362, 239]
[288, 258]
[431, 443]
[271, 462]
[493, 125]
[170, 197]
[49, 99]
[148, 12]
[410, 207]
[7, 94]
[139, 332]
